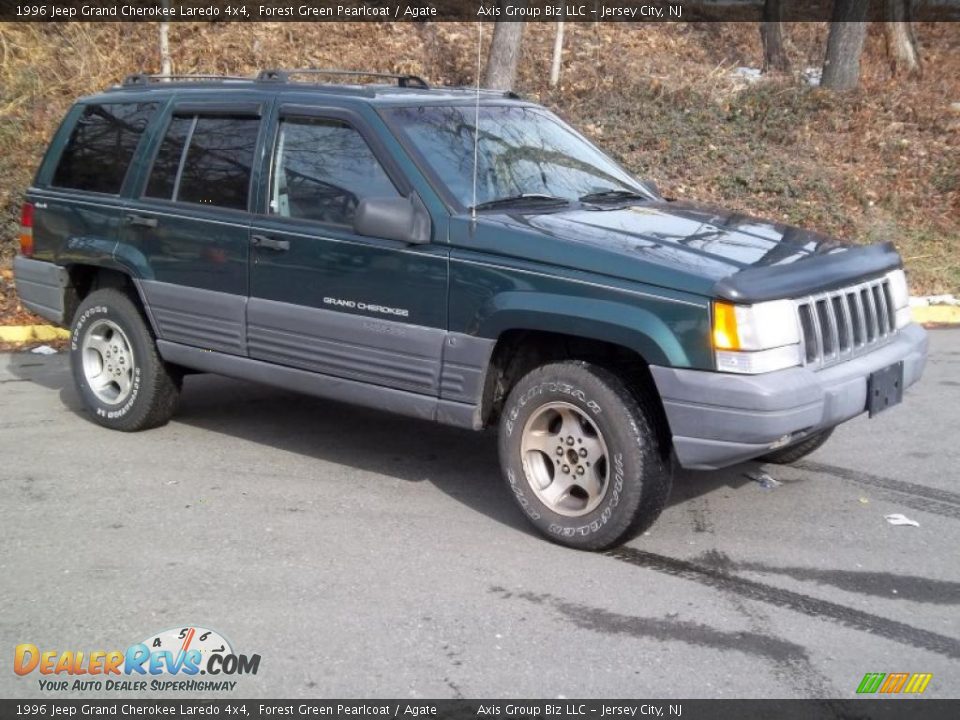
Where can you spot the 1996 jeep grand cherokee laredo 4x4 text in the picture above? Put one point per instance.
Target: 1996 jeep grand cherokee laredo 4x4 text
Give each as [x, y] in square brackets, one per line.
[338, 240]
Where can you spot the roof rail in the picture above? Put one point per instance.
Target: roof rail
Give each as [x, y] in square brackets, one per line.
[146, 79]
[283, 76]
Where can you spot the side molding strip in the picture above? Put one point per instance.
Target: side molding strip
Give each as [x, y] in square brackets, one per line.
[424, 407]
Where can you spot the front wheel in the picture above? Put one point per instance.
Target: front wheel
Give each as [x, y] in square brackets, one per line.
[581, 456]
[116, 368]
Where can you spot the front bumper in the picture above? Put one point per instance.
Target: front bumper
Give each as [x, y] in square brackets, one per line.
[40, 286]
[719, 419]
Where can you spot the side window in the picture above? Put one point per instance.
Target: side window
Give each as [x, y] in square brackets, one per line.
[101, 147]
[163, 176]
[215, 170]
[322, 169]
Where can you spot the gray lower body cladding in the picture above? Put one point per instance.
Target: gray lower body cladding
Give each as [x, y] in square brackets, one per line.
[425, 407]
[40, 286]
[719, 419]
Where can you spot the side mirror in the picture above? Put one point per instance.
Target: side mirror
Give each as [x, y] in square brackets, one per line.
[652, 186]
[403, 219]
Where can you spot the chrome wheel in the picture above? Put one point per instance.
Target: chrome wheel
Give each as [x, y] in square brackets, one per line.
[565, 459]
[108, 362]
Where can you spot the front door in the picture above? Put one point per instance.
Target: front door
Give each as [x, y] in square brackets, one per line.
[322, 297]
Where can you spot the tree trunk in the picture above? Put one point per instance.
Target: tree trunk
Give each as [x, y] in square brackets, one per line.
[166, 66]
[901, 43]
[504, 55]
[848, 29]
[557, 55]
[771, 33]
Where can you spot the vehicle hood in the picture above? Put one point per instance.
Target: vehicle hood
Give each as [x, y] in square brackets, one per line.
[685, 246]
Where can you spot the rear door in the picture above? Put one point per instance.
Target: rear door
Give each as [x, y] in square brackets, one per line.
[322, 297]
[187, 231]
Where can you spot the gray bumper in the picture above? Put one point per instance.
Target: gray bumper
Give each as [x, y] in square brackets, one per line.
[719, 419]
[40, 286]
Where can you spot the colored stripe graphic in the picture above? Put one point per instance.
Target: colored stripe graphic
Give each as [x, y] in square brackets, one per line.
[894, 682]
[918, 682]
[871, 682]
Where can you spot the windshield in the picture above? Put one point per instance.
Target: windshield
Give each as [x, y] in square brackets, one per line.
[520, 151]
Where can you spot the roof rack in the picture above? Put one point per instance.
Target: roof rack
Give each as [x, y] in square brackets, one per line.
[283, 76]
[146, 79]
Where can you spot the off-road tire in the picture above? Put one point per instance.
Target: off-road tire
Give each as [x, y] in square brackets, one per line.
[154, 387]
[639, 473]
[792, 453]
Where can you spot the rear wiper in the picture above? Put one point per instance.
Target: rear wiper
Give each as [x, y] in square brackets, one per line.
[522, 199]
[602, 195]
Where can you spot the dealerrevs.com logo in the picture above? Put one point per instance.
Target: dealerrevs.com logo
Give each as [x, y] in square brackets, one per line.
[171, 660]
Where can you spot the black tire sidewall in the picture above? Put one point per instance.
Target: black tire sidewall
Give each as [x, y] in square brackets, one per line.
[602, 398]
[113, 305]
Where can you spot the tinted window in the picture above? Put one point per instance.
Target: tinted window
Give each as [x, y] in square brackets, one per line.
[322, 170]
[101, 146]
[163, 176]
[216, 168]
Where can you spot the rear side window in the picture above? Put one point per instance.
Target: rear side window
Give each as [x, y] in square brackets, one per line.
[205, 160]
[163, 177]
[101, 147]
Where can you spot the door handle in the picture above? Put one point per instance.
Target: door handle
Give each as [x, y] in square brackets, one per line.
[141, 221]
[269, 243]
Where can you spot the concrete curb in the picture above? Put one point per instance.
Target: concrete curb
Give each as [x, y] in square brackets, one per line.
[939, 315]
[32, 333]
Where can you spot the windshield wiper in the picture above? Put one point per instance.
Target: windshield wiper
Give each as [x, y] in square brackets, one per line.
[602, 195]
[522, 199]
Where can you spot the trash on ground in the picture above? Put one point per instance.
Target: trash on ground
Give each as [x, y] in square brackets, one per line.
[747, 74]
[764, 480]
[44, 350]
[930, 300]
[900, 519]
[864, 501]
[812, 76]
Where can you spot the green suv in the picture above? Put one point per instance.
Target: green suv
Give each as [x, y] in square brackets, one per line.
[452, 255]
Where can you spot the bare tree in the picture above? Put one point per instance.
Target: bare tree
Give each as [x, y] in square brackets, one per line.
[771, 33]
[901, 43]
[557, 55]
[504, 55]
[166, 66]
[848, 28]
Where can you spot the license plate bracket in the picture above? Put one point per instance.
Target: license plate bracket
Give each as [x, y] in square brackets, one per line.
[885, 388]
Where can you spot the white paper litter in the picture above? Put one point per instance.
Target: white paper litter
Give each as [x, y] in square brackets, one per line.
[900, 519]
[748, 74]
[812, 76]
[764, 480]
[44, 350]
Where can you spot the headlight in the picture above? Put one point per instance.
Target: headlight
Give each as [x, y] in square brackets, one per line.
[756, 338]
[900, 295]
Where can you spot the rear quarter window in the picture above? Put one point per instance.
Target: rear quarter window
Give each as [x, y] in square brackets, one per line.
[101, 146]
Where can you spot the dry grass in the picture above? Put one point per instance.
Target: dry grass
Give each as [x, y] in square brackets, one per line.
[883, 163]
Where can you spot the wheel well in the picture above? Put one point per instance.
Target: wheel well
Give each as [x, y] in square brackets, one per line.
[84, 279]
[517, 352]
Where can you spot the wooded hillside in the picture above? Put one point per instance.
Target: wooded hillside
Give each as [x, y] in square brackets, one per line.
[879, 163]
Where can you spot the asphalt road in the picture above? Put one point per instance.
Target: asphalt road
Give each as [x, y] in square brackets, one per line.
[368, 555]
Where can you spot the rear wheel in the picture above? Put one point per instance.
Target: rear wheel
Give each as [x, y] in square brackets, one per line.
[116, 368]
[791, 454]
[581, 456]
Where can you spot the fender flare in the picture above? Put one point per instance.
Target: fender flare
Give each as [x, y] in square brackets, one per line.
[618, 323]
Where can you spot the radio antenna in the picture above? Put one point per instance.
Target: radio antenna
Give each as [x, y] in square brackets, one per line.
[476, 121]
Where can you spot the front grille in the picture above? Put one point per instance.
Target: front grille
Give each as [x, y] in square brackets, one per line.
[843, 323]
